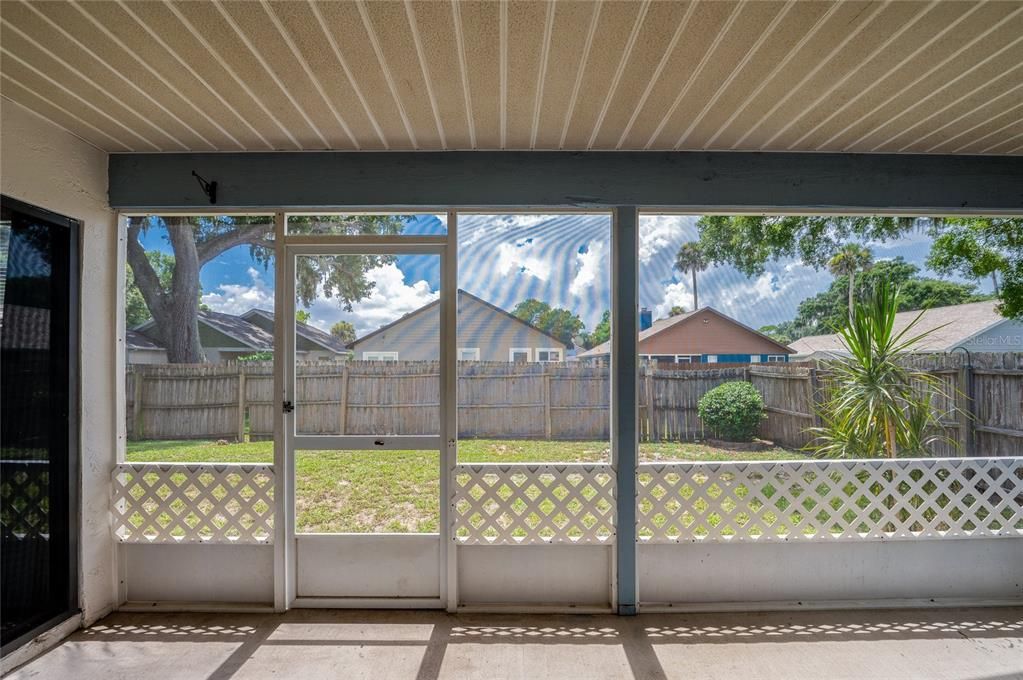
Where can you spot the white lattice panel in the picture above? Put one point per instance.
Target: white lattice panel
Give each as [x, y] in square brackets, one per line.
[830, 500]
[24, 499]
[193, 503]
[523, 504]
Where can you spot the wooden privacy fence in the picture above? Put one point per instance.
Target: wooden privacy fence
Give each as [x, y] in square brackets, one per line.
[568, 401]
[981, 411]
[792, 397]
[496, 399]
[199, 401]
[668, 400]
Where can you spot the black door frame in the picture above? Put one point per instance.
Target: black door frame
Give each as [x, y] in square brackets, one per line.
[73, 507]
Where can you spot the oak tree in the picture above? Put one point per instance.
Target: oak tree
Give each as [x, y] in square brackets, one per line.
[196, 240]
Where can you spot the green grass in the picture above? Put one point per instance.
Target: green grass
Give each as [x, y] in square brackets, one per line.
[397, 491]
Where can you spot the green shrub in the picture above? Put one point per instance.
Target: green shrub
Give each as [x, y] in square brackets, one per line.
[732, 411]
[257, 356]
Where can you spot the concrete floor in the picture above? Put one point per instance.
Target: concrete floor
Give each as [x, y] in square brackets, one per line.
[965, 644]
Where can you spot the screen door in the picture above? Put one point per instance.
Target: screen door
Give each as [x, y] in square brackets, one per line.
[363, 418]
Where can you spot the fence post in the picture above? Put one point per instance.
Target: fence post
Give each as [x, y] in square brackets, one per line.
[815, 395]
[965, 413]
[241, 403]
[642, 408]
[648, 388]
[343, 415]
[547, 425]
[136, 407]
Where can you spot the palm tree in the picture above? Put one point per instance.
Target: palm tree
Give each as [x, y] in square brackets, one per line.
[849, 259]
[690, 258]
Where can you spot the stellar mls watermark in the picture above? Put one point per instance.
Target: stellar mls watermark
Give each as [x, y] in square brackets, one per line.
[997, 341]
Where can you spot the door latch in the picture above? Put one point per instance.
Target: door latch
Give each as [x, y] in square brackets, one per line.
[287, 407]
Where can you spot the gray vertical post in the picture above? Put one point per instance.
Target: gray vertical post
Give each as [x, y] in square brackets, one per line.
[284, 464]
[624, 405]
[448, 385]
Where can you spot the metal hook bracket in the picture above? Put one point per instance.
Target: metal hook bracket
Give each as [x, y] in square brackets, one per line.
[208, 188]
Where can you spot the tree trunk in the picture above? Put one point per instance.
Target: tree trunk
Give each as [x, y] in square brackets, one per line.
[851, 275]
[889, 437]
[175, 312]
[994, 282]
[182, 344]
[696, 297]
[180, 332]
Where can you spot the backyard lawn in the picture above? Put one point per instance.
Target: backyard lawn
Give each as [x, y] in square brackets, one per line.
[397, 491]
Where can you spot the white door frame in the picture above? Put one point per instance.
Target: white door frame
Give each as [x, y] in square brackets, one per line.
[286, 442]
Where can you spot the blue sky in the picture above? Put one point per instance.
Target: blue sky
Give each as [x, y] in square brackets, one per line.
[561, 259]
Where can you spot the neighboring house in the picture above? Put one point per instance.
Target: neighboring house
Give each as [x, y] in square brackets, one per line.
[485, 333]
[975, 326]
[705, 336]
[143, 350]
[312, 344]
[226, 337]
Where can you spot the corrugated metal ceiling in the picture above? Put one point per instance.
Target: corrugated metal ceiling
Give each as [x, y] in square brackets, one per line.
[906, 76]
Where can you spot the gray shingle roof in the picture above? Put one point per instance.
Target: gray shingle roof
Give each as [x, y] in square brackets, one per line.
[134, 340]
[310, 333]
[239, 329]
[431, 305]
[950, 326]
[233, 326]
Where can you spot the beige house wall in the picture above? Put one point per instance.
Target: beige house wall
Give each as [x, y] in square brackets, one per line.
[416, 337]
[147, 356]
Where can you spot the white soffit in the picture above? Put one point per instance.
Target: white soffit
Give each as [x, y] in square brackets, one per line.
[856, 76]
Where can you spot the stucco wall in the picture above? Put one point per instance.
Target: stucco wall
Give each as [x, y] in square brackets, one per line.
[43, 165]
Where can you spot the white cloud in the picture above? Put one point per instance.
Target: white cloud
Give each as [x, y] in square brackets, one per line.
[390, 299]
[675, 294]
[507, 258]
[237, 298]
[591, 264]
[472, 228]
[657, 232]
[523, 256]
[526, 220]
[769, 298]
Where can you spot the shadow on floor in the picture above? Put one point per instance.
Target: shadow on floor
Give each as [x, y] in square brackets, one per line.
[638, 637]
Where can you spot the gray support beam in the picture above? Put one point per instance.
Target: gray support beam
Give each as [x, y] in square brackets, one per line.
[624, 404]
[683, 180]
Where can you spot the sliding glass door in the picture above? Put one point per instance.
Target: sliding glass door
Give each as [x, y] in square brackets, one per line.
[38, 433]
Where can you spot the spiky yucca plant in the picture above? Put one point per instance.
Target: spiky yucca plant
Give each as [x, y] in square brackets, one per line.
[877, 405]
